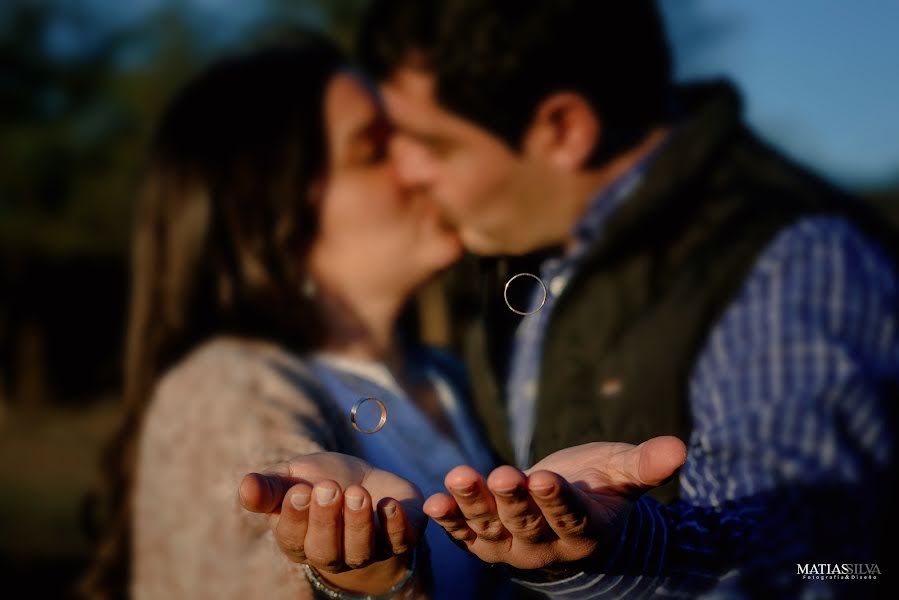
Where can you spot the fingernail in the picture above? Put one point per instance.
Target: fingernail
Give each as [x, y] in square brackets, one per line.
[300, 500]
[325, 495]
[468, 491]
[390, 510]
[354, 502]
[507, 493]
[542, 491]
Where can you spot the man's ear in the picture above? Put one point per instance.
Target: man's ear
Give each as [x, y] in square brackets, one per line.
[564, 131]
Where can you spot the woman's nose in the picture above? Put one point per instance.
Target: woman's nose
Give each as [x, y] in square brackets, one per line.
[413, 167]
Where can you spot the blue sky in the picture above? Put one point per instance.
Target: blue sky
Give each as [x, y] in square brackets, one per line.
[820, 78]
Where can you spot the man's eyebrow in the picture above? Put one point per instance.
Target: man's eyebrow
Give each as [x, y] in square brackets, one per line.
[422, 136]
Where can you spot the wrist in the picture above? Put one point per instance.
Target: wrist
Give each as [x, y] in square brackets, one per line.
[377, 578]
[380, 581]
[602, 559]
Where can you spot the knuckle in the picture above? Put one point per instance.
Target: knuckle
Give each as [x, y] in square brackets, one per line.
[323, 522]
[557, 508]
[534, 536]
[573, 524]
[358, 527]
[314, 557]
[452, 526]
[396, 528]
[490, 530]
[323, 560]
[400, 547]
[289, 543]
[525, 521]
[477, 512]
[462, 534]
[356, 562]
[533, 533]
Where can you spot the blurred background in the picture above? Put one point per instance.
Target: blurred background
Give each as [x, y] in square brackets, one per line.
[81, 85]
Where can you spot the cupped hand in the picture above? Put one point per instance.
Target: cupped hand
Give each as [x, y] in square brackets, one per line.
[353, 523]
[570, 506]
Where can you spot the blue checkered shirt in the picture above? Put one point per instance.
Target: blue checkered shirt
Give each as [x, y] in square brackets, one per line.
[790, 435]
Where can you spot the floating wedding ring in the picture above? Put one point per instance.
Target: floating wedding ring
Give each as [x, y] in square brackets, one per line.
[381, 421]
[506, 294]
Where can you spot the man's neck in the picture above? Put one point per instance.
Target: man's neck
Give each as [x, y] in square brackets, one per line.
[592, 183]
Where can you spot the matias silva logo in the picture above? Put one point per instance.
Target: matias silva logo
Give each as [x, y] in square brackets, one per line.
[838, 571]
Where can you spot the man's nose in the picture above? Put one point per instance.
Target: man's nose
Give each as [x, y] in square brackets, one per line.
[414, 168]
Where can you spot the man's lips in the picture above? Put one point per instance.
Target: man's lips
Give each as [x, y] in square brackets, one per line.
[432, 211]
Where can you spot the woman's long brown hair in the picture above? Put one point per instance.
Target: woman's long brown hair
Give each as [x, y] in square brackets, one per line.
[221, 225]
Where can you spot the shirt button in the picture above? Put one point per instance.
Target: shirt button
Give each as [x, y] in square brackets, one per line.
[558, 284]
[611, 387]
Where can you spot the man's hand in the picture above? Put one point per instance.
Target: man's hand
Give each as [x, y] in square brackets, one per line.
[570, 506]
[322, 512]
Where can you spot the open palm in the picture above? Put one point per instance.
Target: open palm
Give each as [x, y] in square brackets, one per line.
[570, 506]
[614, 473]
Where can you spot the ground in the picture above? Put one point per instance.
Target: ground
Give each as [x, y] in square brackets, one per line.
[48, 459]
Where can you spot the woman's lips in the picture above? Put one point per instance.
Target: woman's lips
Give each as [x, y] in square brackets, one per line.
[433, 211]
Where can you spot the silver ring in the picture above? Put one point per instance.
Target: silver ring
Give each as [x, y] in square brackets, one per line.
[381, 421]
[506, 294]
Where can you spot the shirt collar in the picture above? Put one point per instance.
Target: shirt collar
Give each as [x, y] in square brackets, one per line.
[589, 227]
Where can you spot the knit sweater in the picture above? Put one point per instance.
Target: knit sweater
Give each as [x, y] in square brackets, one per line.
[231, 407]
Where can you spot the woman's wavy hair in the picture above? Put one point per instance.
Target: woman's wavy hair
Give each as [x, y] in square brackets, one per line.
[222, 224]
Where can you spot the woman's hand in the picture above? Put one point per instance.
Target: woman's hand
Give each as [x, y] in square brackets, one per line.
[322, 512]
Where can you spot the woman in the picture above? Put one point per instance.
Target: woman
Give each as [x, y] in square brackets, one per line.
[274, 255]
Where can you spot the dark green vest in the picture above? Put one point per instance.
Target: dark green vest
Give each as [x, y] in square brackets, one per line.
[622, 340]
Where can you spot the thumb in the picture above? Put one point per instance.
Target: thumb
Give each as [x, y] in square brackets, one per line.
[654, 461]
[262, 493]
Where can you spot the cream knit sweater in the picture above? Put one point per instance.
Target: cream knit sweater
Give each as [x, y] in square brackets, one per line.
[229, 408]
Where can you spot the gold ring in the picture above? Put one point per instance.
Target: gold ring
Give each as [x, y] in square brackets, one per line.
[506, 294]
[381, 421]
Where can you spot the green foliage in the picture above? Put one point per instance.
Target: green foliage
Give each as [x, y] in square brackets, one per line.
[75, 128]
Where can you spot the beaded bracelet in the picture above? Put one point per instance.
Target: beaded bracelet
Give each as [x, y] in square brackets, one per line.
[319, 585]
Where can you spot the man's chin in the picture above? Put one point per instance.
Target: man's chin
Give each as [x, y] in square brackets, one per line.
[452, 253]
[485, 245]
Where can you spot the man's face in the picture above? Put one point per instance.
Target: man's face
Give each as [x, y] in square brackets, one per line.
[497, 199]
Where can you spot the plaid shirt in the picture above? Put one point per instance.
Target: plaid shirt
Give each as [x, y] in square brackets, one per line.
[790, 421]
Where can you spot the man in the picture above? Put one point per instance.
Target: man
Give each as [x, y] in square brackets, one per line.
[696, 285]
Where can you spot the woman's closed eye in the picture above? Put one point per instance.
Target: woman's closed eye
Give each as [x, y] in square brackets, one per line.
[372, 144]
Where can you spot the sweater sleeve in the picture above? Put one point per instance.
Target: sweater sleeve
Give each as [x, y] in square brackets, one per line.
[223, 412]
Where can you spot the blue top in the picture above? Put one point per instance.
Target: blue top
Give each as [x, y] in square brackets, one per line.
[410, 446]
[790, 423]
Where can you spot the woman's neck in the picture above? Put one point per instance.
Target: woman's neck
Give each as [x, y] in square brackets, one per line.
[362, 330]
[367, 330]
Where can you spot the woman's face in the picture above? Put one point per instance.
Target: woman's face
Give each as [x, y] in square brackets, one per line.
[374, 236]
